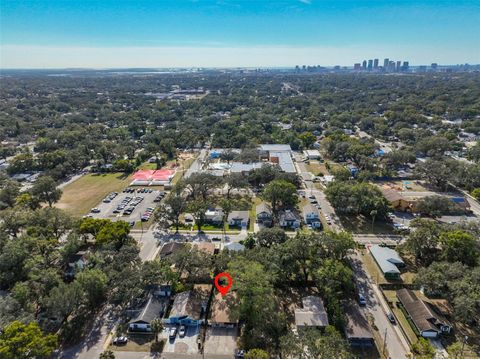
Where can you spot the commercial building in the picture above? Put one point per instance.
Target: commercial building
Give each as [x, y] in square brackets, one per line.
[152, 177]
[388, 260]
[312, 154]
[375, 63]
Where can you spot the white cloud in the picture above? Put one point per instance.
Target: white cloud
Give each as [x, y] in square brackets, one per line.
[13, 56]
[306, 1]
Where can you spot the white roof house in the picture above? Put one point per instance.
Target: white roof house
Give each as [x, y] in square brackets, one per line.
[312, 154]
[312, 314]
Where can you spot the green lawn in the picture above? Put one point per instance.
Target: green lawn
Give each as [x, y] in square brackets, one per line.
[86, 192]
[407, 328]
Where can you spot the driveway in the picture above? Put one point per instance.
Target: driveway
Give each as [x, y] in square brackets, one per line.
[186, 345]
[220, 341]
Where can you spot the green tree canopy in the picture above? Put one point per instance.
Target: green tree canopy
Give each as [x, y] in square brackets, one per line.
[20, 341]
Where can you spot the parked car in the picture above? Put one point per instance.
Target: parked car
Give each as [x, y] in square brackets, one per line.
[95, 210]
[120, 340]
[240, 353]
[361, 300]
[172, 333]
[182, 331]
[391, 318]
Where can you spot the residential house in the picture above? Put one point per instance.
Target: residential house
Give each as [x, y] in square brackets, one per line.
[312, 314]
[220, 313]
[357, 330]
[164, 290]
[207, 247]
[76, 263]
[153, 309]
[188, 307]
[311, 216]
[264, 214]
[388, 260]
[171, 248]
[238, 219]
[234, 246]
[427, 321]
[289, 219]
[214, 216]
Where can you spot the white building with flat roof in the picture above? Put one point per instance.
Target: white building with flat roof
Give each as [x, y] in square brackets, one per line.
[312, 154]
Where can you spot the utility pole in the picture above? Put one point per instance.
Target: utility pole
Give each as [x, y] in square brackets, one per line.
[465, 338]
[385, 342]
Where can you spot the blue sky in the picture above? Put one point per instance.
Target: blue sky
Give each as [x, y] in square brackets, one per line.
[162, 33]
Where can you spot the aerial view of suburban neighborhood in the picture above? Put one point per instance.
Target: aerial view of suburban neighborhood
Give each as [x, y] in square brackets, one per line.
[294, 212]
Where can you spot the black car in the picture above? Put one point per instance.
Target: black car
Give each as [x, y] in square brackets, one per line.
[391, 318]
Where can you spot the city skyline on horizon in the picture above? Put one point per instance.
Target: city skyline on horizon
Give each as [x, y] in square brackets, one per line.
[228, 33]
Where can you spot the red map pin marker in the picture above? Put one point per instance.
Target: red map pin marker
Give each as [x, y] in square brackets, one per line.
[221, 289]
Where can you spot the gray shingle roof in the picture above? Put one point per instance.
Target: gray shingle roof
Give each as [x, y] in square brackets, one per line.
[187, 304]
[422, 315]
[150, 311]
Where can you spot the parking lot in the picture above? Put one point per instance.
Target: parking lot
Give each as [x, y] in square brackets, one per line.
[130, 205]
[220, 341]
[186, 345]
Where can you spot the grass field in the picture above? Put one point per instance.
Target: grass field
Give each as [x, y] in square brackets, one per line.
[363, 225]
[86, 192]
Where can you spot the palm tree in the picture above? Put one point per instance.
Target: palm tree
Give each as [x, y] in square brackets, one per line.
[227, 207]
[157, 327]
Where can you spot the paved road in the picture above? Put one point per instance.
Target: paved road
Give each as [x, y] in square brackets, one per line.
[376, 305]
[397, 345]
[389, 239]
[310, 189]
[196, 166]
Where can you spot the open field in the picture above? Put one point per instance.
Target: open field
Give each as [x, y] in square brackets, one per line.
[86, 192]
[363, 225]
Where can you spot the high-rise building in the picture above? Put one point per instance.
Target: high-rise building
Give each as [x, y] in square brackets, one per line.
[357, 66]
[434, 65]
[385, 63]
[370, 64]
[364, 64]
[399, 64]
[391, 66]
[375, 63]
[405, 66]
